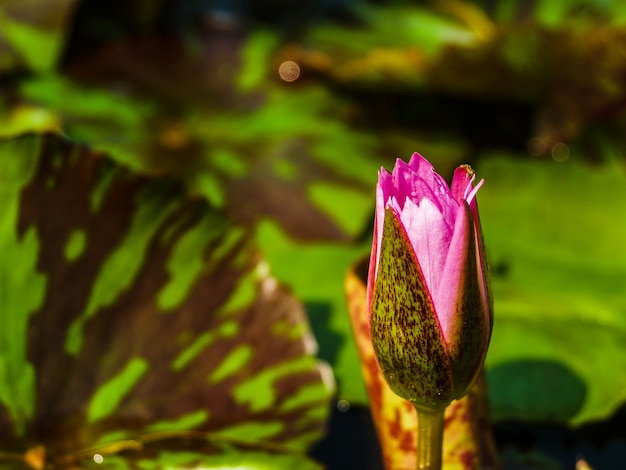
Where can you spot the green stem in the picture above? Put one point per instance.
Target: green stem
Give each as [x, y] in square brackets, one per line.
[429, 438]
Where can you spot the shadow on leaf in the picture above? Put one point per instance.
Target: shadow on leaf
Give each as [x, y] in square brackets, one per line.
[545, 390]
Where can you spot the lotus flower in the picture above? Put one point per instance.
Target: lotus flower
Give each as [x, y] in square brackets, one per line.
[428, 286]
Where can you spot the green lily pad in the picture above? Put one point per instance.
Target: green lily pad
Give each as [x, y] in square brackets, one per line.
[289, 161]
[314, 271]
[555, 234]
[162, 452]
[279, 158]
[112, 123]
[239, 154]
[134, 314]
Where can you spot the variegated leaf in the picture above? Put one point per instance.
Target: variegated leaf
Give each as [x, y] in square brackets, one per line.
[132, 313]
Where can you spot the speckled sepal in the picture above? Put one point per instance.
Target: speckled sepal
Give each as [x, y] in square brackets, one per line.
[405, 331]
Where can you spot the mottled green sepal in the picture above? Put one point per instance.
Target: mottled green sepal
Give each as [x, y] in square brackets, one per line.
[404, 325]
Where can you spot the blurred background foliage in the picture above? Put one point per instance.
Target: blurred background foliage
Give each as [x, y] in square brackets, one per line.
[280, 113]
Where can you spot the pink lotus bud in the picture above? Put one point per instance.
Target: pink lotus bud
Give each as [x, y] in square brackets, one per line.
[428, 288]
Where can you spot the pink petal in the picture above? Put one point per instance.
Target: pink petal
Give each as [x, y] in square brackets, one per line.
[462, 183]
[454, 273]
[418, 180]
[384, 189]
[429, 235]
[462, 188]
[424, 169]
[483, 266]
[373, 266]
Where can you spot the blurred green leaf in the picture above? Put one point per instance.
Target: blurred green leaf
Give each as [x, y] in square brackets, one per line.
[288, 157]
[316, 272]
[244, 460]
[419, 27]
[33, 32]
[134, 315]
[112, 122]
[37, 48]
[158, 452]
[558, 13]
[555, 234]
[287, 147]
[256, 57]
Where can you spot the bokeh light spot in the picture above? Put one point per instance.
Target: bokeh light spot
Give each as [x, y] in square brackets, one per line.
[560, 152]
[536, 146]
[289, 71]
[174, 137]
[343, 405]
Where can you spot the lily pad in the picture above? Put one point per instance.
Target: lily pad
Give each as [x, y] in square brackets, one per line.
[314, 271]
[555, 234]
[235, 157]
[276, 159]
[245, 149]
[135, 320]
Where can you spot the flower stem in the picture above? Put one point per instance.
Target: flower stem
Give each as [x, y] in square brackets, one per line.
[429, 438]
